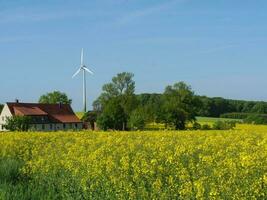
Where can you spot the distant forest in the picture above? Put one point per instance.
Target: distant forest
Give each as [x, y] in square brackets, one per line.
[213, 106]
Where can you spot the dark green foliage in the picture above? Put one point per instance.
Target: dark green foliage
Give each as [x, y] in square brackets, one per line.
[224, 125]
[218, 125]
[18, 123]
[256, 119]
[215, 107]
[113, 116]
[208, 107]
[55, 97]
[151, 105]
[137, 119]
[196, 126]
[179, 105]
[260, 107]
[116, 102]
[205, 127]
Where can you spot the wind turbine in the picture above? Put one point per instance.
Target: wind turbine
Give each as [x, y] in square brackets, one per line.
[83, 69]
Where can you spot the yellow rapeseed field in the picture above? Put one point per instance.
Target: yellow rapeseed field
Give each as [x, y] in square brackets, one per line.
[142, 165]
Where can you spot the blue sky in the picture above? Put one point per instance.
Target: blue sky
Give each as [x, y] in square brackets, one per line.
[219, 47]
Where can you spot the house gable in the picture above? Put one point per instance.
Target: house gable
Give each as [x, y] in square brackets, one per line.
[4, 115]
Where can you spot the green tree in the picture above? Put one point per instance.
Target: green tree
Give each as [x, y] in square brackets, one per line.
[18, 123]
[151, 105]
[55, 97]
[121, 89]
[113, 116]
[121, 85]
[179, 105]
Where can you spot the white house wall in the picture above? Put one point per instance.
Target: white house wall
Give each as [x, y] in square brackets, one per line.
[4, 115]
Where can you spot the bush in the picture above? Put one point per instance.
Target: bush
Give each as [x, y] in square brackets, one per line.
[206, 127]
[224, 125]
[18, 123]
[196, 126]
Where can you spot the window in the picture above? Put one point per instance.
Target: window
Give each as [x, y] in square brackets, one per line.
[43, 126]
[64, 126]
[76, 125]
[51, 126]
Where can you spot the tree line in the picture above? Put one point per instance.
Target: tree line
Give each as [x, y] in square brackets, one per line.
[119, 108]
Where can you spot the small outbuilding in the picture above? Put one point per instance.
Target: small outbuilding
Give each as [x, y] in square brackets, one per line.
[44, 117]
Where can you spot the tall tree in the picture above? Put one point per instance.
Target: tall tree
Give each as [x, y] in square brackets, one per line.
[121, 88]
[113, 116]
[121, 85]
[179, 105]
[55, 97]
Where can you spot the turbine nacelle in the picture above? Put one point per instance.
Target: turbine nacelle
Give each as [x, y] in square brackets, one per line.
[86, 69]
[82, 67]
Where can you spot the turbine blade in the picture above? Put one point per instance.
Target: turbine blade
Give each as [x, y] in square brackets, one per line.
[82, 57]
[77, 72]
[88, 70]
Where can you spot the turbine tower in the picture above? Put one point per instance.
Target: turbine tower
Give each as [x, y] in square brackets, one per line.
[83, 69]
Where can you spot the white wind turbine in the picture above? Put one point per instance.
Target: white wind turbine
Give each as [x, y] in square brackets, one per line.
[84, 69]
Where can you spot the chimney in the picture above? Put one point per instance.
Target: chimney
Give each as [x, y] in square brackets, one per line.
[16, 100]
[60, 104]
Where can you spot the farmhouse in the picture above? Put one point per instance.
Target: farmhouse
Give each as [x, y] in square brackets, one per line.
[44, 117]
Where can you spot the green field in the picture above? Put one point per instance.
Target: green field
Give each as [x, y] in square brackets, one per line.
[135, 165]
[213, 119]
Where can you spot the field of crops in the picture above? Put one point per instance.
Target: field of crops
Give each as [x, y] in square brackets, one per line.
[135, 165]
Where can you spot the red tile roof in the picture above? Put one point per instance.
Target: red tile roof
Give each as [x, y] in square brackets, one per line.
[56, 113]
[32, 111]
